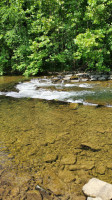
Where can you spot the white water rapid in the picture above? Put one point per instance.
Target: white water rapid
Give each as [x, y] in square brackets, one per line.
[46, 89]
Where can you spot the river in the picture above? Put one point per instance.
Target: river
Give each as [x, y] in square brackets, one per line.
[55, 135]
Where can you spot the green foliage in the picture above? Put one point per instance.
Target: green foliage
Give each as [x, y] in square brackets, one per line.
[42, 35]
[95, 44]
[91, 49]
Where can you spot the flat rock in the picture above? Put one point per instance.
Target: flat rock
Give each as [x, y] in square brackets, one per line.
[84, 79]
[74, 197]
[100, 168]
[69, 159]
[73, 167]
[50, 139]
[92, 198]
[34, 195]
[74, 77]
[86, 164]
[98, 188]
[66, 78]
[82, 75]
[52, 183]
[56, 186]
[67, 176]
[109, 164]
[74, 81]
[49, 158]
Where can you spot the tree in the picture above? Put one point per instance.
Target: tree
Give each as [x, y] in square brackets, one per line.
[95, 46]
[54, 35]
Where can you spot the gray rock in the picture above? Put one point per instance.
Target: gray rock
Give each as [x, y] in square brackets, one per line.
[98, 188]
[67, 77]
[94, 77]
[109, 78]
[60, 76]
[54, 80]
[82, 75]
[84, 79]
[102, 78]
[74, 81]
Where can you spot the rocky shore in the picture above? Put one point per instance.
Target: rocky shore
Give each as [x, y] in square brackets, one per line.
[77, 77]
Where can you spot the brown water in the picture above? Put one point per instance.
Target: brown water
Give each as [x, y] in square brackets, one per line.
[56, 145]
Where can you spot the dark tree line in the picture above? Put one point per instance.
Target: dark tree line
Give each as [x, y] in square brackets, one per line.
[52, 35]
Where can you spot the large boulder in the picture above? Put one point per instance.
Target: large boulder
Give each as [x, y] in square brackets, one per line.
[97, 188]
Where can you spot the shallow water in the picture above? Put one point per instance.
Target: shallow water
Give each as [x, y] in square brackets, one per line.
[60, 144]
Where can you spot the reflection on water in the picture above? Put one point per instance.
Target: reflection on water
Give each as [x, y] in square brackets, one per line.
[62, 146]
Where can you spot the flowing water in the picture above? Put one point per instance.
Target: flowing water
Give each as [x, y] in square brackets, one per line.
[49, 140]
[85, 93]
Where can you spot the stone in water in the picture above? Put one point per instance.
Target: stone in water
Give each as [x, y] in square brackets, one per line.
[98, 188]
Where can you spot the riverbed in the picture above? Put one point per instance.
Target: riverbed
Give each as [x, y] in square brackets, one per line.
[54, 136]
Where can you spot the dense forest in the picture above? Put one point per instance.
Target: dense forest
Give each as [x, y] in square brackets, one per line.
[55, 35]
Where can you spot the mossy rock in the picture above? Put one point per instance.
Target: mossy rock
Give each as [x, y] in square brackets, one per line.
[74, 106]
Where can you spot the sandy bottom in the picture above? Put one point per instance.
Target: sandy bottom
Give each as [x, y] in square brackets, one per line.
[54, 145]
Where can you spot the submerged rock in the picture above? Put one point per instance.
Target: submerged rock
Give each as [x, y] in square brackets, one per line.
[34, 195]
[67, 176]
[97, 188]
[92, 198]
[49, 158]
[74, 106]
[100, 168]
[69, 159]
[56, 186]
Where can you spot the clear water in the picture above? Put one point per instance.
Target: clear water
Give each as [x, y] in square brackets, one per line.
[37, 136]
